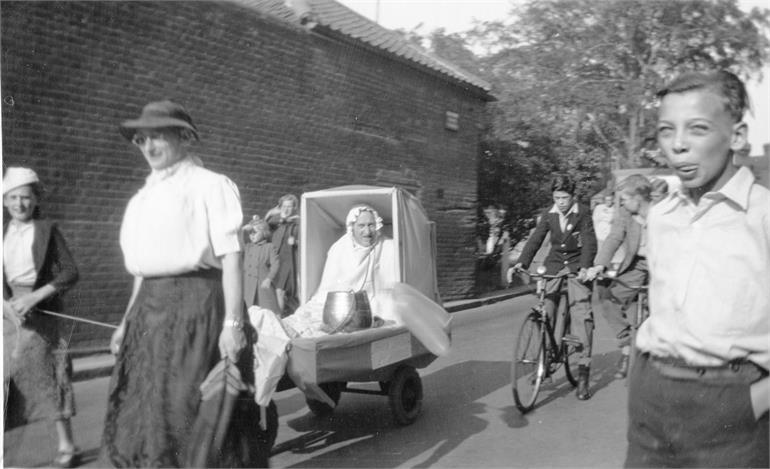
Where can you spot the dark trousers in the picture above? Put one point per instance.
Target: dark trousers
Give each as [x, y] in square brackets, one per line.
[694, 417]
[581, 314]
[617, 299]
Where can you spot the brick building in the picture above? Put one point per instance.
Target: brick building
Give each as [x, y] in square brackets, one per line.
[286, 98]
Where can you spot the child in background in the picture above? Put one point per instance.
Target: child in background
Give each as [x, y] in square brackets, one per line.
[260, 266]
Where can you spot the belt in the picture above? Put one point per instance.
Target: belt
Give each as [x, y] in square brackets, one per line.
[735, 370]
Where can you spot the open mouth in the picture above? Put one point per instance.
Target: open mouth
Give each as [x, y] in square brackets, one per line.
[686, 171]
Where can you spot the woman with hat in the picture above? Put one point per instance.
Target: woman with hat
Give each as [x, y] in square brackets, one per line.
[180, 239]
[37, 269]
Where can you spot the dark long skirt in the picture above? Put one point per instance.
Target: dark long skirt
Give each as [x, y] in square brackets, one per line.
[169, 346]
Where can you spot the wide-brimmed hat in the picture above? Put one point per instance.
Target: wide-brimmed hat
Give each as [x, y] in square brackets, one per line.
[16, 177]
[159, 114]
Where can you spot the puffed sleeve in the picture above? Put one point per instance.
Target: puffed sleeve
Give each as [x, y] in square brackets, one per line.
[223, 204]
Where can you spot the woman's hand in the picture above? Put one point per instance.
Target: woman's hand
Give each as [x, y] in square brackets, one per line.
[24, 304]
[231, 341]
[760, 397]
[117, 338]
[266, 283]
[10, 313]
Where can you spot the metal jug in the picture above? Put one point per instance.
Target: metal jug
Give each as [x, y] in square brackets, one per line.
[347, 311]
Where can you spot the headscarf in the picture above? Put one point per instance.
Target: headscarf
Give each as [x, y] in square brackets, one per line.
[356, 211]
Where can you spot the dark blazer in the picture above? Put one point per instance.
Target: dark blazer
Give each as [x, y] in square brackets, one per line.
[53, 262]
[626, 231]
[575, 247]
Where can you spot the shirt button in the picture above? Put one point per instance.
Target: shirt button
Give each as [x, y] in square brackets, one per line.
[563, 245]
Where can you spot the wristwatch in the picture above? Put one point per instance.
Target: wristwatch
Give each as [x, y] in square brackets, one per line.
[234, 323]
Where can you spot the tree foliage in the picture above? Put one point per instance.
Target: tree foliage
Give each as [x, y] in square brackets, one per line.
[575, 82]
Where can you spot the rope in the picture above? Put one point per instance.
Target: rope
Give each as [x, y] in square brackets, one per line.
[74, 318]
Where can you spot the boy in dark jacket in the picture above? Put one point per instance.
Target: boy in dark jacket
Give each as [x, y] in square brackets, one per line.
[573, 247]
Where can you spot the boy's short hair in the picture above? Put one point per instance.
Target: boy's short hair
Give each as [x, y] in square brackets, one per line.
[636, 184]
[563, 183]
[723, 83]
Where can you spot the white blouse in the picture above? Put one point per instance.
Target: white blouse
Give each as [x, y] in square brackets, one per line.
[18, 264]
[184, 219]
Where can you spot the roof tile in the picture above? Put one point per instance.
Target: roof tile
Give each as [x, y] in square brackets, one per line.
[334, 16]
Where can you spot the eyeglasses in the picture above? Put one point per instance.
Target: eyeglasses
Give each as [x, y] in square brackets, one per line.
[139, 139]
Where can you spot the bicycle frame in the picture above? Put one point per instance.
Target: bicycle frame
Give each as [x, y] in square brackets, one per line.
[537, 346]
[554, 348]
[642, 310]
[641, 299]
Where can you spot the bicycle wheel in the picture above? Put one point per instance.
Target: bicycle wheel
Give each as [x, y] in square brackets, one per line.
[569, 351]
[528, 367]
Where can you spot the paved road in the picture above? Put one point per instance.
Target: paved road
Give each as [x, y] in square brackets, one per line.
[468, 418]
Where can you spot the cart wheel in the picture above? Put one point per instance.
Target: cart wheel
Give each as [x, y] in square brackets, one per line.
[405, 395]
[333, 390]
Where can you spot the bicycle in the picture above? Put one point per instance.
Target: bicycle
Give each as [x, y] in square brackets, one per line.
[642, 309]
[537, 353]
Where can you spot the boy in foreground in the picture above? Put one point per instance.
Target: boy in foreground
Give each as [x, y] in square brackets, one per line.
[699, 391]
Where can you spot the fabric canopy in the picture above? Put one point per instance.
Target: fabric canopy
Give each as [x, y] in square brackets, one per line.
[323, 222]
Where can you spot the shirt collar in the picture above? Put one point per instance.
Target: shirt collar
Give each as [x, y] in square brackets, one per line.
[158, 175]
[19, 226]
[573, 209]
[737, 189]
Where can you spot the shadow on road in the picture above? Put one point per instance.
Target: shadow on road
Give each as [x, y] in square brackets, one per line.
[362, 425]
[602, 374]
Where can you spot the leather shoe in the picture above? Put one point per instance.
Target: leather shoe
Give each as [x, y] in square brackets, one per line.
[582, 392]
[622, 367]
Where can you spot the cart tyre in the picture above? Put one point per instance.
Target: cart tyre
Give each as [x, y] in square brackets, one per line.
[405, 395]
[333, 390]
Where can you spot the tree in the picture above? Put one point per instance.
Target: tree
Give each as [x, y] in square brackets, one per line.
[595, 65]
[575, 83]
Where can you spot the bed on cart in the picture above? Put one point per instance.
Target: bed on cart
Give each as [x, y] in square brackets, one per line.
[324, 367]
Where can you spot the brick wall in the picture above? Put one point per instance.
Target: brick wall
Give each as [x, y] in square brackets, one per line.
[280, 109]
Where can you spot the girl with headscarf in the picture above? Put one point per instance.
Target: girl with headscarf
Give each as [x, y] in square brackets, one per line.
[260, 267]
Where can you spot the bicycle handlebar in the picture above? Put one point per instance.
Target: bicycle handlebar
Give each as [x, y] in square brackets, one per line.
[625, 284]
[545, 276]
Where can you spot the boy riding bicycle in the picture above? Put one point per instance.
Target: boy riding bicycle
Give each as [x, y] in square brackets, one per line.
[629, 229]
[573, 247]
